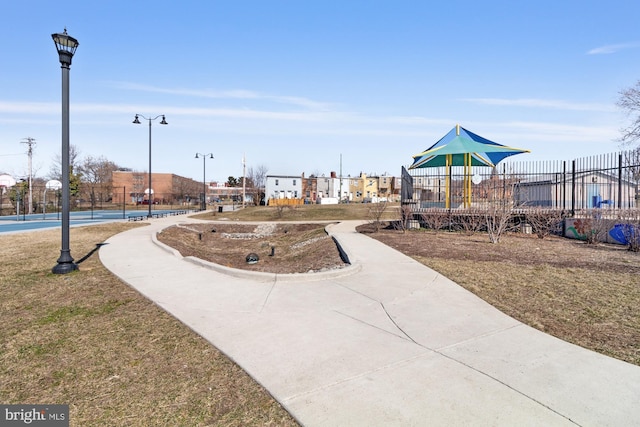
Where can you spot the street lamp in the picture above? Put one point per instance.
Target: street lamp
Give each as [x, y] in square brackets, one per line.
[162, 122]
[203, 206]
[66, 46]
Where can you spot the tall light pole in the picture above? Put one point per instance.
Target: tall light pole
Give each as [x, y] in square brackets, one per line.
[66, 46]
[162, 122]
[203, 206]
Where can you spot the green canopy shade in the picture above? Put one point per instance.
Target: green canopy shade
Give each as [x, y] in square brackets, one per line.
[459, 142]
[461, 147]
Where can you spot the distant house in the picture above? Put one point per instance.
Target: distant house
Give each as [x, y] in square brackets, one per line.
[279, 187]
[593, 189]
[331, 189]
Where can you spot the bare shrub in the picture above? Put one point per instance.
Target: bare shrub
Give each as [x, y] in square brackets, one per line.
[472, 221]
[630, 222]
[593, 226]
[406, 214]
[498, 218]
[544, 221]
[376, 211]
[435, 219]
[280, 208]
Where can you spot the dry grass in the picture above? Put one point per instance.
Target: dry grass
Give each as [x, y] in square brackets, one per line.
[88, 340]
[585, 294]
[349, 211]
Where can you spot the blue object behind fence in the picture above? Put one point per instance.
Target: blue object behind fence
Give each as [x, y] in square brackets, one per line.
[622, 232]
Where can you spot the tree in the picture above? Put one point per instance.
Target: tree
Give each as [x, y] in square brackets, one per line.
[97, 177]
[55, 172]
[256, 178]
[629, 101]
[233, 182]
[75, 181]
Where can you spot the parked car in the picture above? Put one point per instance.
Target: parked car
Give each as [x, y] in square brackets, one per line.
[146, 202]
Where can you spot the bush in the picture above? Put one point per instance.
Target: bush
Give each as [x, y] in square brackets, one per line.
[544, 221]
[630, 222]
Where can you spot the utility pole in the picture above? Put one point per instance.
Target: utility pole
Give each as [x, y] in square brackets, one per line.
[340, 195]
[31, 143]
[244, 179]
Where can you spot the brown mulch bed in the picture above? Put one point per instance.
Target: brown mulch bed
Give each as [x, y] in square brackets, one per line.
[281, 248]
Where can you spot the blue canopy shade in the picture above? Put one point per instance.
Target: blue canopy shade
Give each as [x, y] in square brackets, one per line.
[453, 148]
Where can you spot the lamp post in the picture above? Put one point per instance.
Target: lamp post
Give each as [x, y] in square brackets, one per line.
[66, 46]
[203, 206]
[162, 122]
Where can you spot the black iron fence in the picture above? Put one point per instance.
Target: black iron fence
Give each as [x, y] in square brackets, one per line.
[608, 181]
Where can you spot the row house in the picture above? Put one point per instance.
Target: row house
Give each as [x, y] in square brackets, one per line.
[283, 187]
[331, 189]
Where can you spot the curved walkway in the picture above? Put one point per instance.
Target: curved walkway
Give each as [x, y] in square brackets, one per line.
[390, 343]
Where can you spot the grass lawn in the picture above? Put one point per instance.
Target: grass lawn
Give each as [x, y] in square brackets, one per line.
[88, 340]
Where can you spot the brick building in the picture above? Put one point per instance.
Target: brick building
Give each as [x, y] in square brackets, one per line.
[167, 188]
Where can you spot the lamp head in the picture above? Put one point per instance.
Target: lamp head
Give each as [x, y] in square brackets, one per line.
[66, 46]
[210, 155]
[136, 121]
[197, 156]
[163, 122]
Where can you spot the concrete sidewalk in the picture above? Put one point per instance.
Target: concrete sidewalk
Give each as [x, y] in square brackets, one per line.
[388, 342]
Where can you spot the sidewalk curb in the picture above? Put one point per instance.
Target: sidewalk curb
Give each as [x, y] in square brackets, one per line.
[261, 276]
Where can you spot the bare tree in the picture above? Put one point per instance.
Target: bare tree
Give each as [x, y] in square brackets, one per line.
[55, 172]
[96, 175]
[376, 211]
[256, 178]
[629, 101]
[186, 189]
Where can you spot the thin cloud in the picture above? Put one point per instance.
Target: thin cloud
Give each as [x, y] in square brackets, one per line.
[612, 48]
[542, 103]
[29, 107]
[227, 94]
[545, 131]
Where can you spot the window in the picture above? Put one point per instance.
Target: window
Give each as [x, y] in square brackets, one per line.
[277, 182]
[294, 182]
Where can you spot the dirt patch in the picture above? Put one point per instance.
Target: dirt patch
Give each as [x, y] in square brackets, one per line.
[514, 248]
[281, 248]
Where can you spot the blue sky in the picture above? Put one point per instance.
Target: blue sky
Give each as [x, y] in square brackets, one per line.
[293, 85]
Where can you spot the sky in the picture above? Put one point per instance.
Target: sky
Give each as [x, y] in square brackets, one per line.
[313, 86]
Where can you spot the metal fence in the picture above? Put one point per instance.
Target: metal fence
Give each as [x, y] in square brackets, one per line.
[608, 181]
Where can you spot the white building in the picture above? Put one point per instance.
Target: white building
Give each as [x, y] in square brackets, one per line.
[283, 187]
